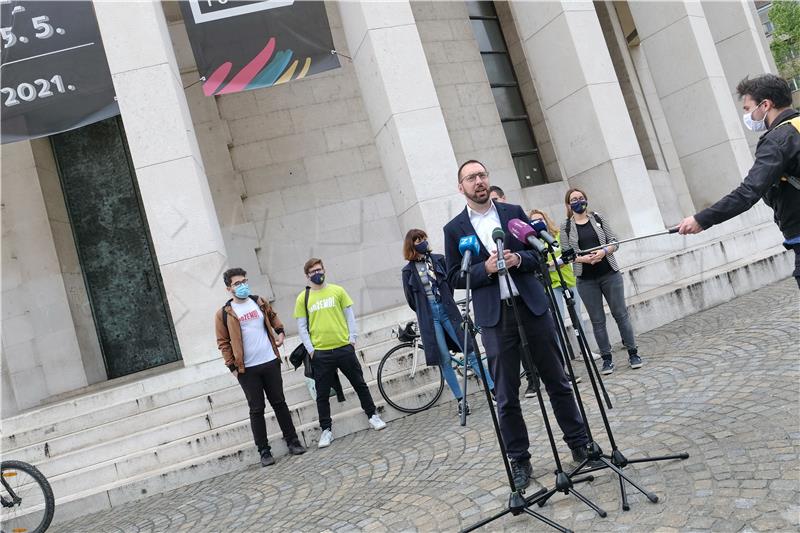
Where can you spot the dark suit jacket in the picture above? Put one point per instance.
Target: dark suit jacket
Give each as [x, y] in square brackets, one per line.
[485, 288]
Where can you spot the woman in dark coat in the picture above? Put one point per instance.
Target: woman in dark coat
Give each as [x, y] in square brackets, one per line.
[430, 296]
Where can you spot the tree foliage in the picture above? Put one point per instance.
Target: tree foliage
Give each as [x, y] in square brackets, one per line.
[785, 18]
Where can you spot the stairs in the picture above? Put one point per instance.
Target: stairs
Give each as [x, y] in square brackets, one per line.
[126, 439]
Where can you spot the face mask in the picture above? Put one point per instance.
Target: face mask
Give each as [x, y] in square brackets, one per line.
[242, 291]
[579, 206]
[422, 247]
[318, 278]
[754, 125]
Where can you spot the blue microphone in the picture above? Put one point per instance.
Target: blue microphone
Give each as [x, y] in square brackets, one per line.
[467, 247]
[541, 230]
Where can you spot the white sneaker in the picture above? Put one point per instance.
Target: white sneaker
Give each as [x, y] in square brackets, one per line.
[595, 356]
[376, 422]
[325, 438]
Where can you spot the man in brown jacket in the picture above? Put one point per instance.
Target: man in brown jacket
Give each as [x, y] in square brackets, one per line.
[249, 334]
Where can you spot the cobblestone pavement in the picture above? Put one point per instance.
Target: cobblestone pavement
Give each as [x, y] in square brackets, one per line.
[721, 385]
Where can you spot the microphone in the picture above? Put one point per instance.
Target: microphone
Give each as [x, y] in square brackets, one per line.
[498, 236]
[525, 234]
[467, 247]
[541, 229]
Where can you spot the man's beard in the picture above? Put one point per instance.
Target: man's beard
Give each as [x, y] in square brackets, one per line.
[478, 200]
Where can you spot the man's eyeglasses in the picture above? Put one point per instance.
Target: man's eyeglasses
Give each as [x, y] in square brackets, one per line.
[240, 282]
[472, 177]
[316, 271]
[577, 199]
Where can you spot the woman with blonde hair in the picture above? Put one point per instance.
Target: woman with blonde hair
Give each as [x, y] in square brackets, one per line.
[566, 273]
[598, 275]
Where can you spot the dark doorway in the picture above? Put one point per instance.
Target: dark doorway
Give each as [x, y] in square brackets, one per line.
[122, 277]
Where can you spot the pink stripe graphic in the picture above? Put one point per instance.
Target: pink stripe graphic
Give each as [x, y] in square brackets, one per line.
[252, 69]
[215, 80]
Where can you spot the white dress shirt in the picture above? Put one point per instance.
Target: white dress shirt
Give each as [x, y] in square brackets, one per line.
[485, 224]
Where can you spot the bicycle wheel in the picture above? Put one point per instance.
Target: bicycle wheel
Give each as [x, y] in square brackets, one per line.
[26, 497]
[406, 382]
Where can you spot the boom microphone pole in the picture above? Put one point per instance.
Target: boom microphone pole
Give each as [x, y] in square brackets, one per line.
[665, 232]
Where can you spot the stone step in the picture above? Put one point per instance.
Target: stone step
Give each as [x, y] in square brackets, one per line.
[172, 379]
[74, 453]
[207, 388]
[201, 464]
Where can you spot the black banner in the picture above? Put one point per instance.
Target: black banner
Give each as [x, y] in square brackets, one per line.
[244, 45]
[54, 70]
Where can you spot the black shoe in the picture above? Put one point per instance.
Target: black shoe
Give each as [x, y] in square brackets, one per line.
[266, 458]
[582, 453]
[608, 367]
[521, 471]
[295, 448]
[530, 392]
[569, 376]
[460, 410]
[635, 361]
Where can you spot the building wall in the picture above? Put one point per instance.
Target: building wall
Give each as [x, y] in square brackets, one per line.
[295, 174]
[459, 77]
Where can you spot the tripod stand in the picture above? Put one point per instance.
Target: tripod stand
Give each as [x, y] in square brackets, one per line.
[596, 460]
[563, 483]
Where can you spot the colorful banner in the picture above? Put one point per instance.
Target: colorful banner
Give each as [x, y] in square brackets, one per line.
[244, 45]
[53, 69]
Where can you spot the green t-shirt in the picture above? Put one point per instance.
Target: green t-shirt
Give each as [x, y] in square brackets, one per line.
[327, 323]
[566, 270]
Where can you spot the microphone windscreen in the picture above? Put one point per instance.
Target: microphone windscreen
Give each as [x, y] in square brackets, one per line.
[519, 229]
[470, 242]
[498, 233]
[539, 225]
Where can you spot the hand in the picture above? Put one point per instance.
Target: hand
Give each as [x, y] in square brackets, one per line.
[491, 264]
[235, 373]
[597, 256]
[512, 259]
[689, 226]
[279, 340]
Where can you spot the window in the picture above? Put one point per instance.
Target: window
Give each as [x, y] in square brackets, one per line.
[794, 83]
[507, 96]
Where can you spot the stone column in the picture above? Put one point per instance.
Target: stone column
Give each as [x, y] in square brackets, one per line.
[695, 96]
[404, 113]
[40, 355]
[739, 46]
[583, 104]
[169, 170]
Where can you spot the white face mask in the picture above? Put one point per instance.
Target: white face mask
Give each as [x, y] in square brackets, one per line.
[755, 125]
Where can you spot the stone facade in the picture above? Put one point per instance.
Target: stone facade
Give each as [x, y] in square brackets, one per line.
[341, 165]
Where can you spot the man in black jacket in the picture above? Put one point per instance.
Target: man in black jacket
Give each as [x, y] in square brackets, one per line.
[492, 302]
[775, 174]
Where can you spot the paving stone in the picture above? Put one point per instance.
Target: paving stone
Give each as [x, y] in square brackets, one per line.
[720, 385]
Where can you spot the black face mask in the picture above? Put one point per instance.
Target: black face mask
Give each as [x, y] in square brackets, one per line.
[318, 278]
[422, 247]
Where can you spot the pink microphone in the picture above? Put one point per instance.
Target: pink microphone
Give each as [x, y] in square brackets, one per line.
[525, 234]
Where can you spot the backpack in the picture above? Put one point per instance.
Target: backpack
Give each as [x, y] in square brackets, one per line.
[595, 214]
[794, 181]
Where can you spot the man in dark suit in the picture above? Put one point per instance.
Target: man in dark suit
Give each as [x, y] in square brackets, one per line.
[492, 302]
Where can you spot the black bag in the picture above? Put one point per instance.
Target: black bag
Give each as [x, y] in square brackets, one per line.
[300, 355]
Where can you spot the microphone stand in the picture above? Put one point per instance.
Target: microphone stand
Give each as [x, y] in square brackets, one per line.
[517, 503]
[596, 459]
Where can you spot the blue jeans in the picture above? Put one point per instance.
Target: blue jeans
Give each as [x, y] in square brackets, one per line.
[442, 326]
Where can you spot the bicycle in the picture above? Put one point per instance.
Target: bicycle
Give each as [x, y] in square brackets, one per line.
[26, 499]
[403, 363]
